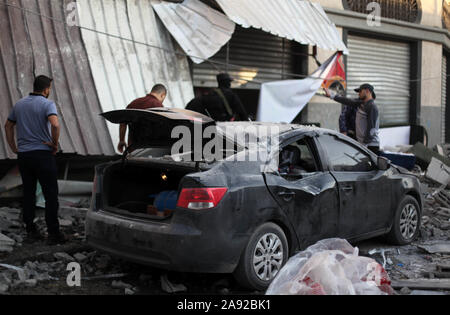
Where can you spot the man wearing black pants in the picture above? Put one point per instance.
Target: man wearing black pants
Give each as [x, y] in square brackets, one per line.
[36, 121]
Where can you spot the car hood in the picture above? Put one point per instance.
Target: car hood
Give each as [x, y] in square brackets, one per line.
[153, 127]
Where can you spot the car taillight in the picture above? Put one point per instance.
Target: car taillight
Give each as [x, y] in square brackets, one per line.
[200, 198]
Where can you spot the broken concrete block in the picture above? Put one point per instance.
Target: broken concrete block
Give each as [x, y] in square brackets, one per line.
[80, 257]
[64, 257]
[169, 287]
[441, 248]
[438, 172]
[129, 291]
[424, 155]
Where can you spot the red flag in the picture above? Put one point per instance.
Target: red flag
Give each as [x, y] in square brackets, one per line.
[336, 79]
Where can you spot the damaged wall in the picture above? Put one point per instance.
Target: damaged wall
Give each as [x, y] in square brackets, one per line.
[128, 67]
[431, 91]
[32, 45]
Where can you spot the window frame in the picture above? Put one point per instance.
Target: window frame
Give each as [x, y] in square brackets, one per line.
[312, 146]
[358, 147]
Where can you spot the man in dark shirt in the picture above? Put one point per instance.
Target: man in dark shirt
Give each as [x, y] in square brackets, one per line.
[222, 104]
[153, 100]
[36, 120]
[347, 121]
[367, 122]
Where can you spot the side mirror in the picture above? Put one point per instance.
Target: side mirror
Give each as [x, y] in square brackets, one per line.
[383, 163]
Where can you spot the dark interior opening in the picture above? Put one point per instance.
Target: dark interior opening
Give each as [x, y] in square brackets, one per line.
[133, 188]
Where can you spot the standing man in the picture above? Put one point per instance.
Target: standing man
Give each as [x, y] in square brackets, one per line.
[222, 104]
[153, 100]
[367, 123]
[36, 121]
[347, 121]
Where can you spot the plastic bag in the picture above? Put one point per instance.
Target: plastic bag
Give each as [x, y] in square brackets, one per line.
[331, 267]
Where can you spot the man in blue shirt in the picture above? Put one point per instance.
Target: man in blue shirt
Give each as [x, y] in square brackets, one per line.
[36, 120]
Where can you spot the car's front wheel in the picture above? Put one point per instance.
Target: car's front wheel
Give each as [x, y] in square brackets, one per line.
[406, 226]
[263, 257]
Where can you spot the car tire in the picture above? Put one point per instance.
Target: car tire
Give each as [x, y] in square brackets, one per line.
[263, 257]
[406, 226]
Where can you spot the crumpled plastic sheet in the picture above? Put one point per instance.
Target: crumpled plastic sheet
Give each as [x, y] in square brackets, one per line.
[331, 267]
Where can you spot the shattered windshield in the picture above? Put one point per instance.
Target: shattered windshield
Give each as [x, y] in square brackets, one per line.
[242, 141]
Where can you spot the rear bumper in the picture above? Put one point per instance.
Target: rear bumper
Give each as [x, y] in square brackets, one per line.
[171, 246]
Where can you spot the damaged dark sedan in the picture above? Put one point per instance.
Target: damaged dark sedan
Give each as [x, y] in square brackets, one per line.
[230, 214]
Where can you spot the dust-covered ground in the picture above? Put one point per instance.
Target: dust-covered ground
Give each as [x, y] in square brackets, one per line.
[31, 269]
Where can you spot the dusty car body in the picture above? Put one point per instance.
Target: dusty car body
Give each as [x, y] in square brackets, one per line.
[237, 216]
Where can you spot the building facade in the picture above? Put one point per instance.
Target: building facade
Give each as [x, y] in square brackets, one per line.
[403, 54]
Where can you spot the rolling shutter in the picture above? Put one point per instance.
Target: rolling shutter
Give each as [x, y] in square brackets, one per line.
[385, 65]
[261, 57]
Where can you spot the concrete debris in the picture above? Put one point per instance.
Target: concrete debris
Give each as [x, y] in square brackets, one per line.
[65, 223]
[20, 271]
[438, 172]
[442, 248]
[169, 287]
[80, 257]
[110, 276]
[422, 284]
[3, 288]
[120, 285]
[424, 292]
[424, 155]
[129, 291]
[4, 240]
[64, 257]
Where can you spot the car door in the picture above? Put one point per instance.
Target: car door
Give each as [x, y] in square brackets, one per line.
[309, 197]
[364, 191]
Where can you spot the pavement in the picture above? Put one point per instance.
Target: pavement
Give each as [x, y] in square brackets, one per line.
[32, 269]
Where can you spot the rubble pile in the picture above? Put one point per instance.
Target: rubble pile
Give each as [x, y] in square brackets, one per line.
[436, 211]
[11, 232]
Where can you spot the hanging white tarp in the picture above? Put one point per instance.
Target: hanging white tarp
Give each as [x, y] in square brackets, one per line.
[199, 29]
[302, 21]
[282, 101]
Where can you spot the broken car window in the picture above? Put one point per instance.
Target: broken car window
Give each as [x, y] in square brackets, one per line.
[344, 157]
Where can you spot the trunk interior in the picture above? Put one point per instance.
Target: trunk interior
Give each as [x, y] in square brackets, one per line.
[142, 190]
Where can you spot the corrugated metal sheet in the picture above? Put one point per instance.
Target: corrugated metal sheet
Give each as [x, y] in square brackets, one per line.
[302, 21]
[31, 45]
[127, 67]
[262, 58]
[199, 29]
[385, 65]
[444, 96]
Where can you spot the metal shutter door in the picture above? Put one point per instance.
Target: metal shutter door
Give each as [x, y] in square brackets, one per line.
[444, 95]
[385, 65]
[263, 57]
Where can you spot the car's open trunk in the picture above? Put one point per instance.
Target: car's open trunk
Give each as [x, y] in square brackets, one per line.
[139, 189]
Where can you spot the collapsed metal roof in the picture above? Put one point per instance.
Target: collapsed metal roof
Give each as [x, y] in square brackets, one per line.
[32, 44]
[136, 54]
[199, 29]
[120, 52]
[302, 21]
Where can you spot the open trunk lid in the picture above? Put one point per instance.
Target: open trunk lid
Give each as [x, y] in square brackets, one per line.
[153, 127]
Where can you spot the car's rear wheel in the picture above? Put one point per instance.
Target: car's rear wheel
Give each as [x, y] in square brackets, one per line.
[263, 257]
[406, 226]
